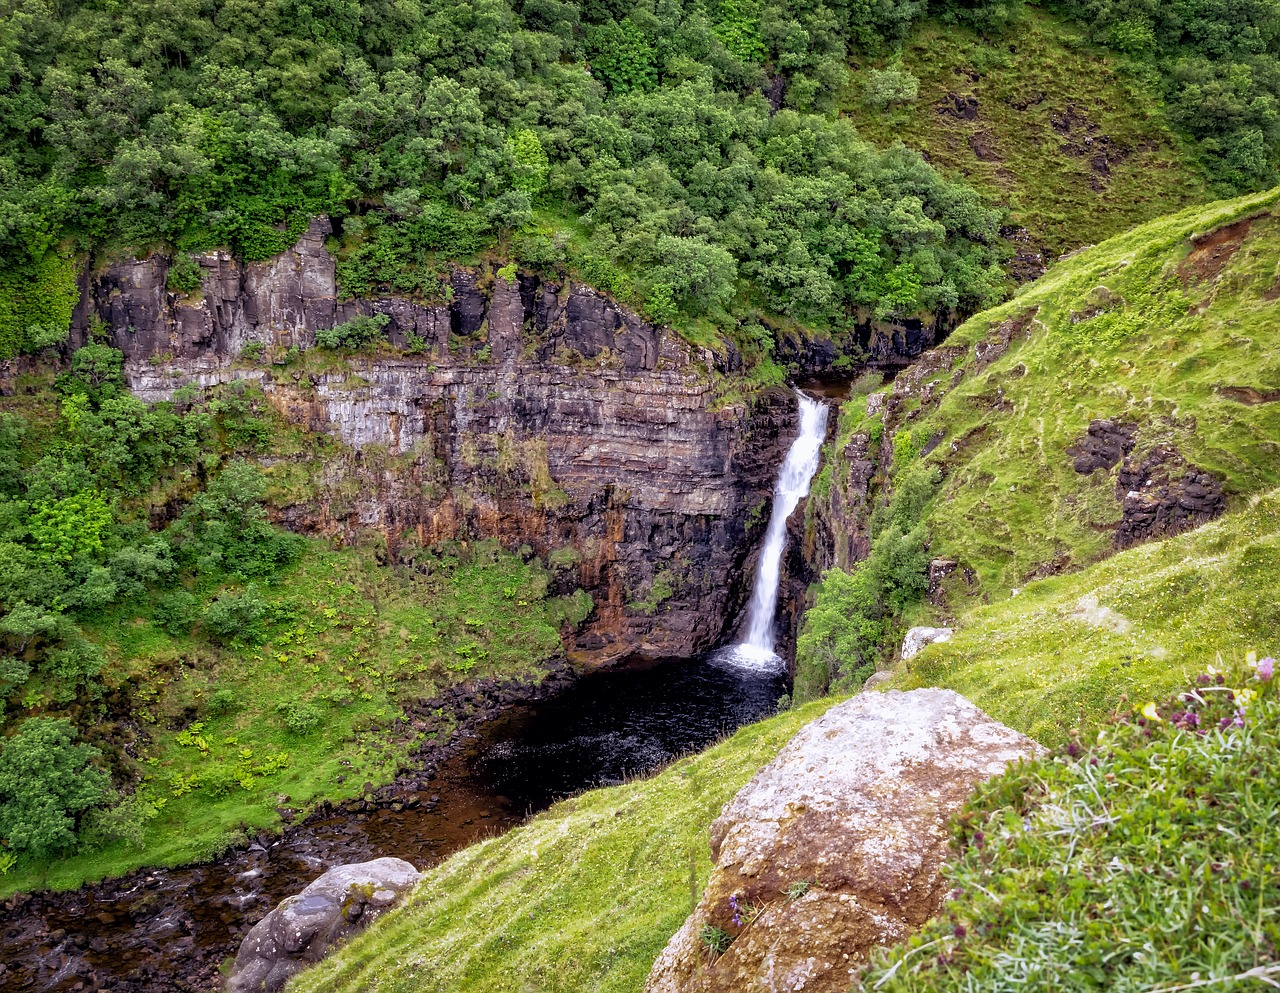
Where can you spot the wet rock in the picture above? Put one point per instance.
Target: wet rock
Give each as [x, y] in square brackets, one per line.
[964, 108]
[836, 846]
[917, 638]
[303, 927]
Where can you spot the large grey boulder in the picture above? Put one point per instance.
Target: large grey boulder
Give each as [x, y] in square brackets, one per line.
[836, 846]
[303, 927]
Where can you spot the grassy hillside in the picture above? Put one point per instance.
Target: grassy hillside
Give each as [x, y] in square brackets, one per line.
[1128, 394]
[1067, 651]
[1145, 862]
[583, 897]
[1073, 139]
[1181, 342]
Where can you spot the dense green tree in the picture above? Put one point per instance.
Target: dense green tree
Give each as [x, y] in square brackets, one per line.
[46, 780]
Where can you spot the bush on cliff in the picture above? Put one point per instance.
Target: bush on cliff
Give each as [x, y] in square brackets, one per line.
[854, 621]
[1149, 860]
[149, 604]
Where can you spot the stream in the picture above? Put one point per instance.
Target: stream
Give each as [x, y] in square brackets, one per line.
[169, 930]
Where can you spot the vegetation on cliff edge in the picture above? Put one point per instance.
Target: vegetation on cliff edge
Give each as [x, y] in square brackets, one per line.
[156, 626]
[1169, 332]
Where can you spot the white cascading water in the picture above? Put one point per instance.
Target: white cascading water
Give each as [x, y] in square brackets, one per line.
[797, 472]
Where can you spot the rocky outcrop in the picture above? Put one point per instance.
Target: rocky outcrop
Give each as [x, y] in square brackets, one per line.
[1103, 446]
[297, 933]
[916, 638]
[1160, 493]
[888, 345]
[835, 847]
[1163, 495]
[533, 411]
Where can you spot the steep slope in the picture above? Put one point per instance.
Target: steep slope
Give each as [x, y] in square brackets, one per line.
[1128, 394]
[1073, 139]
[1069, 650]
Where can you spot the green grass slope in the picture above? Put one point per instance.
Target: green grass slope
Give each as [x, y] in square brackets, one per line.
[1173, 331]
[1182, 342]
[1074, 140]
[1147, 862]
[1066, 651]
[583, 897]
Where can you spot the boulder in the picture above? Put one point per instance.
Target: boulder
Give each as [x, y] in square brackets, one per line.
[303, 927]
[917, 638]
[836, 846]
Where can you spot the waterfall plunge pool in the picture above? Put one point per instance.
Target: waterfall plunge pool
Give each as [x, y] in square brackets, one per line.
[167, 930]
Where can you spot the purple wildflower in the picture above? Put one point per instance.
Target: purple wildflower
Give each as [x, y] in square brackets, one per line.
[1265, 669]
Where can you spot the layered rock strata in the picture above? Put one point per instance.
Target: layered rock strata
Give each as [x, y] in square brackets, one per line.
[529, 410]
[836, 846]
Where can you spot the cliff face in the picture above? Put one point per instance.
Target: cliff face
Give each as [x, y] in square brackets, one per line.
[535, 412]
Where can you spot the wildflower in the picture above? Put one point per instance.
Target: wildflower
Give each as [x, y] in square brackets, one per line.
[1265, 669]
[1149, 711]
[1244, 697]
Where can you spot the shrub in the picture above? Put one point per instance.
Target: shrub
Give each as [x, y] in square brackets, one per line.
[13, 673]
[300, 718]
[125, 818]
[361, 330]
[175, 612]
[236, 617]
[222, 702]
[887, 88]
[45, 781]
[184, 274]
[219, 781]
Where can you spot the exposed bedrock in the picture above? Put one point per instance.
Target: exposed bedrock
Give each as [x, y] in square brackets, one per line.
[836, 846]
[535, 412]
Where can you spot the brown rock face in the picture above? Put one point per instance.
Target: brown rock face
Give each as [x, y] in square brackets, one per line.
[835, 847]
[534, 412]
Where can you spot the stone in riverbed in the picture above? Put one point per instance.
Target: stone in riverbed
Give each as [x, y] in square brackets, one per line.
[303, 927]
[836, 846]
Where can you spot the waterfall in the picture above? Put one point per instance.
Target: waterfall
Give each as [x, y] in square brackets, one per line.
[797, 472]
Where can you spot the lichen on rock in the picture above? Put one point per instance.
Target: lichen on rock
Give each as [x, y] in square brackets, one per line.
[303, 927]
[837, 845]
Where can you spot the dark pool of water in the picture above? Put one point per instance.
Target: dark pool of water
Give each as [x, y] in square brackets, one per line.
[168, 930]
[611, 726]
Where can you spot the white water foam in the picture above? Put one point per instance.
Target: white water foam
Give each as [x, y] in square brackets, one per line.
[797, 472]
